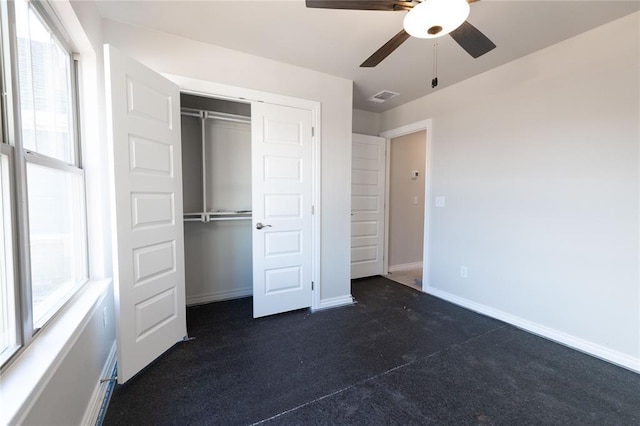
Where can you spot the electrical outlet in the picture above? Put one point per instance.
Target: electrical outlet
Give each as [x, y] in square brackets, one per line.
[464, 272]
[104, 317]
[415, 199]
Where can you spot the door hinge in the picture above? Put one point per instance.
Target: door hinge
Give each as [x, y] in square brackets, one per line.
[311, 285]
[313, 209]
[313, 131]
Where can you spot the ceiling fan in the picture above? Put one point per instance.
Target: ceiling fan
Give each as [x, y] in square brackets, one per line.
[425, 19]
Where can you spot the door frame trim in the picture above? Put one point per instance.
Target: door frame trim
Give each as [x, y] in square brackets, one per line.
[240, 94]
[426, 125]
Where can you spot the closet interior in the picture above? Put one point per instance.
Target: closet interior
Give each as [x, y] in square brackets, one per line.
[216, 170]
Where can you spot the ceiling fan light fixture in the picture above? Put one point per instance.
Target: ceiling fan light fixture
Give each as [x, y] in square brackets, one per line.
[435, 18]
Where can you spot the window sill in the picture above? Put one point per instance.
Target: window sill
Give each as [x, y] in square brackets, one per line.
[21, 382]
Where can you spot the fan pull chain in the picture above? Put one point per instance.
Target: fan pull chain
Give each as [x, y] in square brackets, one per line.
[434, 81]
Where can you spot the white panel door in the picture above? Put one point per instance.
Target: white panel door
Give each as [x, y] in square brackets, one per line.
[281, 200]
[144, 126]
[367, 205]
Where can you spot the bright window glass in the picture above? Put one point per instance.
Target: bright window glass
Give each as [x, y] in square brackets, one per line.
[55, 184]
[46, 101]
[57, 237]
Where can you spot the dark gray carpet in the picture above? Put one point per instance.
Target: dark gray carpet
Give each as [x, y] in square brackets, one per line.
[396, 357]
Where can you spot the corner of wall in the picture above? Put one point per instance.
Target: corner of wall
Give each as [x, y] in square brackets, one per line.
[366, 122]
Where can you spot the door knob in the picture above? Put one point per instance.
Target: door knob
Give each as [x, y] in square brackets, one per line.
[260, 226]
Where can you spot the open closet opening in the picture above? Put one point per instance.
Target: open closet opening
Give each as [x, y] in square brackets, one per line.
[217, 198]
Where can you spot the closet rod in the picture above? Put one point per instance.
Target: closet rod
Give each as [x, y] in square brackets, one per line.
[215, 115]
[233, 120]
[191, 113]
[214, 219]
[227, 117]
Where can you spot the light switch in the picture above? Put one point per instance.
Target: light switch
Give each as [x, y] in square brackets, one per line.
[440, 201]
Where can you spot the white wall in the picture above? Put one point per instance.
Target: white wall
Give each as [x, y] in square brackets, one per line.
[366, 122]
[539, 164]
[181, 56]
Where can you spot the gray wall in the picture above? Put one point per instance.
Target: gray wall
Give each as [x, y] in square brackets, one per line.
[366, 123]
[406, 218]
[539, 163]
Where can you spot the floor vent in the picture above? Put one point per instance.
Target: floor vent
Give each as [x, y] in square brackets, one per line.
[382, 96]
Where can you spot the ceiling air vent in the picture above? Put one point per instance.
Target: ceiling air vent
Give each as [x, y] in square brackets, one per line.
[382, 96]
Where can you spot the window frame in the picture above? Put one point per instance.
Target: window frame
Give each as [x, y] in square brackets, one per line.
[4, 117]
[19, 157]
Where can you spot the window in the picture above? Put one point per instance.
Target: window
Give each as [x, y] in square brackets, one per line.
[50, 236]
[8, 320]
[44, 76]
[56, 237]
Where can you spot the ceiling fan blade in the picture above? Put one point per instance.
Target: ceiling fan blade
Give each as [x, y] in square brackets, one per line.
[472, 40]
[386, 49]
[360, 4]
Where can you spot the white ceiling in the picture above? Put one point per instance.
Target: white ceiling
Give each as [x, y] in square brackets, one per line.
[337, 41]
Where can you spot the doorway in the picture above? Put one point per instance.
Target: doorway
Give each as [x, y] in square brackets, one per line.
[404, 261]
[406, 206]
[216, 179]
[247, 196]
[403, 243]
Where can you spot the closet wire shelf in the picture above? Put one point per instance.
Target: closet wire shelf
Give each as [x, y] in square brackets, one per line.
[200, 113]
[216, 215]
[207, 217]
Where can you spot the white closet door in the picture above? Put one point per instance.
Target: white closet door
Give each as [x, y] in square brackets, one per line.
[281, 201]
[144, 113]
[367, 205]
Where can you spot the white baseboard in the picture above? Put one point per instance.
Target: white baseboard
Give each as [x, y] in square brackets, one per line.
[235, 294]
[334, 302]
[590, 348]
[218, 296]
[95, 403]
[405, 266]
